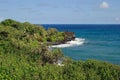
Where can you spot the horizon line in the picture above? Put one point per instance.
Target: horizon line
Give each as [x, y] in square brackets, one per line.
[78, 24]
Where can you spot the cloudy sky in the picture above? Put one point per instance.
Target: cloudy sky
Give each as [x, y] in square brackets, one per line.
[61, 11]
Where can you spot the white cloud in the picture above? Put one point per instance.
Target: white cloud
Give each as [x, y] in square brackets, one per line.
[104, 5]
[117, 19]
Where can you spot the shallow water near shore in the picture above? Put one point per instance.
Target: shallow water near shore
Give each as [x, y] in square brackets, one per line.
[101, 42]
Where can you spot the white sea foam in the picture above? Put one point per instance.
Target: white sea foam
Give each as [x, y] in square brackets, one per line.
[76, 42]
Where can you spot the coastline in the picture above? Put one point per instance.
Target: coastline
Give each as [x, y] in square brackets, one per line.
[72, 43]
[22, 57]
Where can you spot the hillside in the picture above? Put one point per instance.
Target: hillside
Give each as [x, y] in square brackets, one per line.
[25, 55]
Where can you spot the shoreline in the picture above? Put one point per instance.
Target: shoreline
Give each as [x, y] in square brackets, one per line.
[72, 43]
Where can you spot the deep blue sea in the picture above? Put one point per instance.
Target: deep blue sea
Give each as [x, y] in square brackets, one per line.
[102, 42]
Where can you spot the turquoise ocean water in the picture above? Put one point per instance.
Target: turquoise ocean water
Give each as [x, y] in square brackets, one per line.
[100, 42]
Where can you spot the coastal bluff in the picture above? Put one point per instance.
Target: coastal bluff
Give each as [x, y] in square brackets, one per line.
[69, 36]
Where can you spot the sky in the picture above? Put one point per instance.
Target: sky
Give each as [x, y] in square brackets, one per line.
[61, 11]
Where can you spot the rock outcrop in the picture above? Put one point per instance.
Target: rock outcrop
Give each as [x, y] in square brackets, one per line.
[69, 36]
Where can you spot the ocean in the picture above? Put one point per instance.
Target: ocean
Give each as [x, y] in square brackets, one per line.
[99, 42]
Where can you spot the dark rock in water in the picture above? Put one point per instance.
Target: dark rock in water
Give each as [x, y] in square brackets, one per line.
[69, 36]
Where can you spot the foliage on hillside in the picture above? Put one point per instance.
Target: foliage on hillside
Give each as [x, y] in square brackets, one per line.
[28, 39]
[25, 56]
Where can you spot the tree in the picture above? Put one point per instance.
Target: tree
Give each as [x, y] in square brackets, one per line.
[10, 22]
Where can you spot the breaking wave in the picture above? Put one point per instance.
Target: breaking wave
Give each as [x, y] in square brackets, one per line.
[76, 42]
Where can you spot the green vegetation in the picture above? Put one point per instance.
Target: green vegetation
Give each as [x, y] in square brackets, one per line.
[24, 55]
